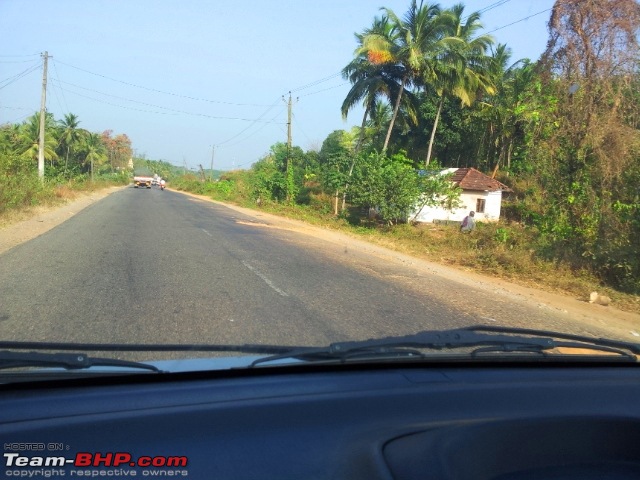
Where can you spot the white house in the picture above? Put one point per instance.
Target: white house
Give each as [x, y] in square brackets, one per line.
[480, 193]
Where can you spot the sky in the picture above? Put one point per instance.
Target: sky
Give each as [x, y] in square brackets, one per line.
[191, 81]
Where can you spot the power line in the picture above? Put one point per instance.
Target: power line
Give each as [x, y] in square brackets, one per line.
[492, 6]
[171, 111]
[20, 56]
[301, 129]
[55, 68]
[316, 82]
[16, 61]
[114, 104]
[518, 21]
[325, 89]
[248, 127]
[162, 91]
[8, 81]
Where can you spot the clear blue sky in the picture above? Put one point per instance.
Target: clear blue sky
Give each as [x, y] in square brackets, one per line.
[180, 76]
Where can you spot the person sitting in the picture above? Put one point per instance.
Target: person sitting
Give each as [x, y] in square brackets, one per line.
[469, 223]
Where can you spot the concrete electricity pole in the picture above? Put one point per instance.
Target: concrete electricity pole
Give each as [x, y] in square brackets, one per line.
[43, 107]
[288, 172]
[213, 151]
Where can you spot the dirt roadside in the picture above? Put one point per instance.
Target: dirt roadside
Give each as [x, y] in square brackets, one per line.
[41, 219]
[44, 219]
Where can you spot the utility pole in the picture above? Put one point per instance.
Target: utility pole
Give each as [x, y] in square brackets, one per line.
[43, 106]
[213, 151]
[288, 164]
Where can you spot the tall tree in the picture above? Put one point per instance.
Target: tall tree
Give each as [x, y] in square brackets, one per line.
[70, 135]
[29, 134]
[96, 152]
[370, 81]
[408, 46]
[588, 157]
[462, 69]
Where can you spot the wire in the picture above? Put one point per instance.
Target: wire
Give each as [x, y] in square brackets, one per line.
[248, 127]
[58, 78]
[492, 6]
[16, 61]
[20, 56]
[325, 89]
[171, 111]
[8, 81]
[55, 92]
[114, 104]
[253, 133]
[162, 91]
[518, 21]
[316, 82]
[301, 129]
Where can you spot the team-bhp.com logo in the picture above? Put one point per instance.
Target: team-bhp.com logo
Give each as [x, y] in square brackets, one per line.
[86, 460]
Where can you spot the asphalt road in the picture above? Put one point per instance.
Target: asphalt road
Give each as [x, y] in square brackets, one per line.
[151, 266]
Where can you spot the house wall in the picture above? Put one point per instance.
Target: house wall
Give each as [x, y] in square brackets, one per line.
[468, 198]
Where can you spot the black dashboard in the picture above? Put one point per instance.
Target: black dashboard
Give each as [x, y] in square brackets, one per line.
[445, 421]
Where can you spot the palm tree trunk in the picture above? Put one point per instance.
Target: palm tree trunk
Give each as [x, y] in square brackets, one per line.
[395, 114]
[497, 166]
[433, 130]
[66, 161]
[353, 160]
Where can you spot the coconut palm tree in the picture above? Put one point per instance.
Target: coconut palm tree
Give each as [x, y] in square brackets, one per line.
[29, 138]
[370, 81]
[95, 150]
[463, 68]
[70, 135]
[408, 46]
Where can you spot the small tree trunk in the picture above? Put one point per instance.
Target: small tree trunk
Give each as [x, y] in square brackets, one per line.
[395, 114]
[355, 153]
[433, 130]
[66, 162]
[500, 157]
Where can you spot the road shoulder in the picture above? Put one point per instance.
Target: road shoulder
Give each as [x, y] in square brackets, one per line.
[43, 219]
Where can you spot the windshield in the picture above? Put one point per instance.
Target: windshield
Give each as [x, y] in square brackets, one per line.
[187, 180]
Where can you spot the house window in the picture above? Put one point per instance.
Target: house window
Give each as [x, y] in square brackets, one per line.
[480, 205]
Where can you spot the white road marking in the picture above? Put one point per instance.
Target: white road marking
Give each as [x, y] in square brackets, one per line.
[265, 279]
[207, 232]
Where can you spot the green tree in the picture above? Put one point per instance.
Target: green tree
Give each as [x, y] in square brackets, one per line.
[70, 136]
[337, 157]
[29, 138]
[409, 46]
[371, 82]
[462, 69]
[96, 153]
[588, 152]
[389, 184]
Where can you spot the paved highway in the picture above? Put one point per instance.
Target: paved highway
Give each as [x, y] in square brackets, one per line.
[151, 266]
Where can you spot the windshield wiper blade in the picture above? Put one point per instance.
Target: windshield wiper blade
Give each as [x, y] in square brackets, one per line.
[69, 361]
[482, 339]
[148, 347]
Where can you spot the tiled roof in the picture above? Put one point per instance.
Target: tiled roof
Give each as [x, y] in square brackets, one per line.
[472, 179]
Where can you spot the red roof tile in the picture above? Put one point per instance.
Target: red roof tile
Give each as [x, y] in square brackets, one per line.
[472, 179]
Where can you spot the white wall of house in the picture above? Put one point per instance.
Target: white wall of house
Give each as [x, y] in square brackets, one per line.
[469, 200]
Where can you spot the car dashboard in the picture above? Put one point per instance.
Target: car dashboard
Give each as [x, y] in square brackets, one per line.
[502, 421]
